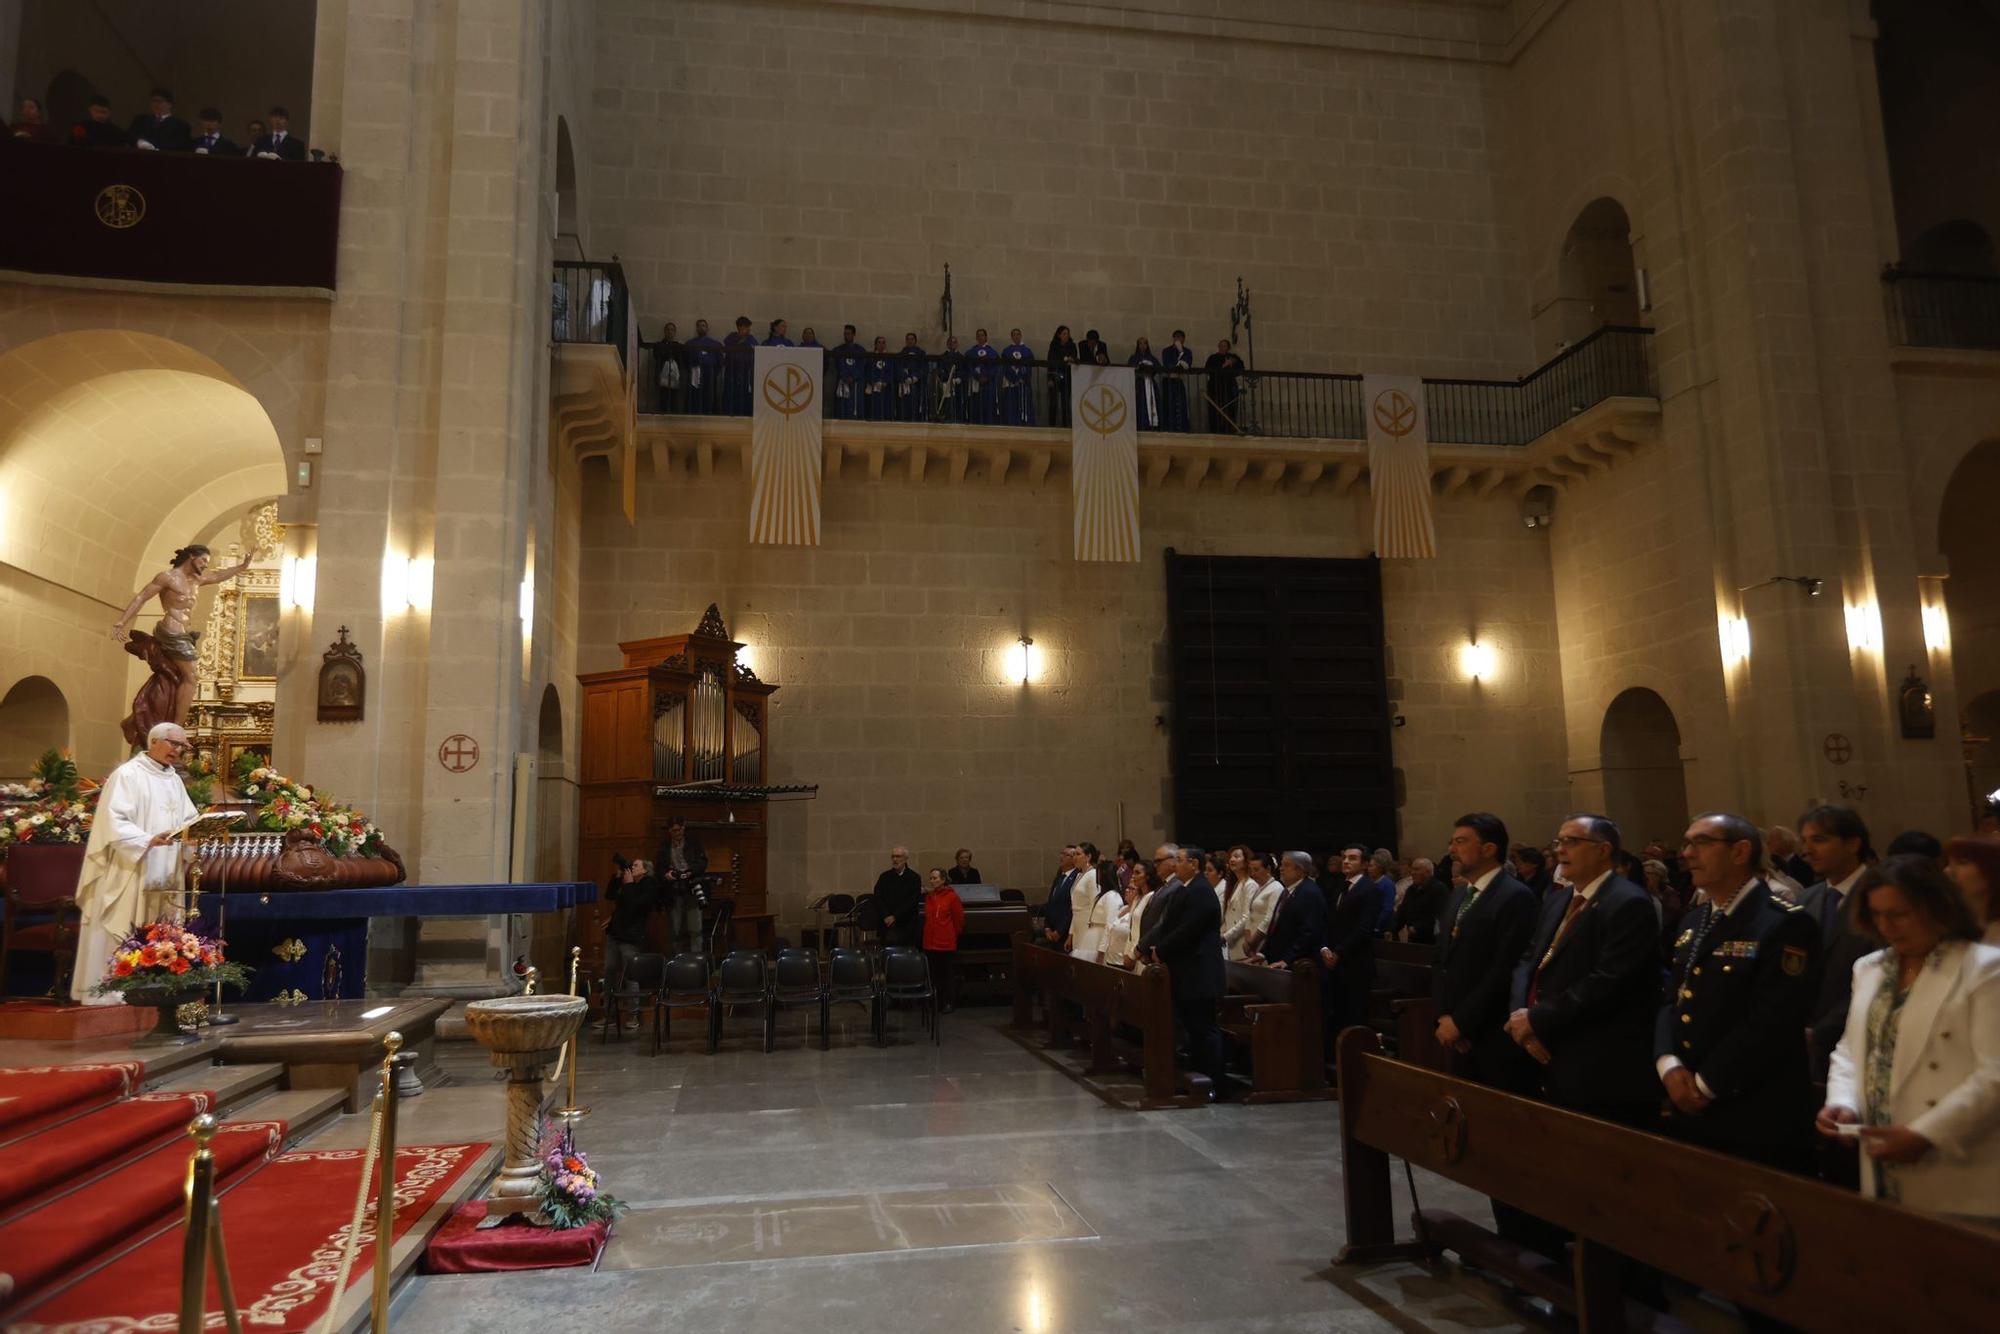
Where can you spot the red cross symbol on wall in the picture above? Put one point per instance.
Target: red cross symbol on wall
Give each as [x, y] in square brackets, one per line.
[458, 753]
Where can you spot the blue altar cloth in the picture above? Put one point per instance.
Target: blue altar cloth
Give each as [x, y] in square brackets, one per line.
[255, 923]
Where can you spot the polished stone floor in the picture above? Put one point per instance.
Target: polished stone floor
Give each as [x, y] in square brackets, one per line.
[962, 1188]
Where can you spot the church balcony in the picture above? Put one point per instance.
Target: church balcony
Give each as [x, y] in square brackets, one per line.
[1297, 431]
[592, 404]
[129, 217]
[1941, 310]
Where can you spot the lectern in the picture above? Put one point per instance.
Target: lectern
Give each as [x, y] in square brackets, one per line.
[681, 729]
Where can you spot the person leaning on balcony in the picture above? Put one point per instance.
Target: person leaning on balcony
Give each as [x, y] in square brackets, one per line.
[96, 129]
[159, 128]
[279, 142]
[212, 141]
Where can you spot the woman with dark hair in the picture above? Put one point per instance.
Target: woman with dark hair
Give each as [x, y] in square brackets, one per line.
[1144, 385]
[1237, 891]
[1916, 1077]
[1062, 356]
[1974, 866]
[775, 336]
[1139, 889]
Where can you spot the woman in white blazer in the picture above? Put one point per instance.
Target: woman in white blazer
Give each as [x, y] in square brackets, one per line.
[1092, 930]
[1917, 1073]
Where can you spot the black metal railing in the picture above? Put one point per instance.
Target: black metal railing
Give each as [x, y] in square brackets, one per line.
[1941, 309]
[710, 380]
[1615, 361]
[588, 303]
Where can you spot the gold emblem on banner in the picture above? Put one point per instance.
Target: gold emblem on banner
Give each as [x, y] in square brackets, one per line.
[1103, 410]
[1395, 413]
[120, 206]
[789, 390]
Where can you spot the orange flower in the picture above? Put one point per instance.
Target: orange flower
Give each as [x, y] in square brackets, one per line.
[122, 968]
[179, 965]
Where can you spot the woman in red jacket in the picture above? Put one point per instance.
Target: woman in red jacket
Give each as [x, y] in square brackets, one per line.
[944, 918]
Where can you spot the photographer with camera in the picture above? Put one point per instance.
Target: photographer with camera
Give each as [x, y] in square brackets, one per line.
[682, 865]
[634, 894]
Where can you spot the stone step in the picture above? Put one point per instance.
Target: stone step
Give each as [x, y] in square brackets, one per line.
[233, 1085]
[304, 1111]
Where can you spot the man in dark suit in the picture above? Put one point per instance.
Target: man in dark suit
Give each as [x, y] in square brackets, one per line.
[1726, 1043]
[1056, 912]
[898, 894]
[279, 141]
[1482, 934]
[1531, 869]
[212, 141]
[159, 127]
[1298, 923]
[1834, 840]
[1349, 953]
[96, 130]
[1184, 932]
[1586, 991]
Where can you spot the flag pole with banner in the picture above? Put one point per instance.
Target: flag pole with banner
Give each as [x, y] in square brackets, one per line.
[1104, 463]
[1399, 466]
[785, 446]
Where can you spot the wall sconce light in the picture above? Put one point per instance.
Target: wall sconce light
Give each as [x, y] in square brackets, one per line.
[1864, 627]
[1937, 628]
[1734, 632]
[406, 584]
[1810, 582]
[1476, 661]
[1024, 661]
[528, 601]
[298, 579]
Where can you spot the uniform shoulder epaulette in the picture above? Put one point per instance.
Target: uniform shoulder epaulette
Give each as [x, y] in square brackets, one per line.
[1786, 904]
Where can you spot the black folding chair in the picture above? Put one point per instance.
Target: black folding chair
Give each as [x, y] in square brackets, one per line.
[906, 976]
[744, 979]
[689, 982]
[718, 930]
[850, 981]
[641, 990]
[796, 982]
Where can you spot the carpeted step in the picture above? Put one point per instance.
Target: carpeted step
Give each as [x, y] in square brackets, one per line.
[35, 1097]
[96, 1223]
[284, 1228]
[70, 1156]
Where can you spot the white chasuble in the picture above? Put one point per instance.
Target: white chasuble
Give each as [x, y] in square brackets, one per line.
[141, 798]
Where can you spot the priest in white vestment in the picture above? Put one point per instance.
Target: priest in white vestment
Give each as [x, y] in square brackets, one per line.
[132, 850]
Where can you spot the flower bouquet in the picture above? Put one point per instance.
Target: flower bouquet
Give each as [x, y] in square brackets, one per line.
[572, 1196]
[284, 805]
[54, 806]
[156, 963]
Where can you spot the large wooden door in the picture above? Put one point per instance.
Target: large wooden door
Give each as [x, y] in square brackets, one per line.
[1280, 716]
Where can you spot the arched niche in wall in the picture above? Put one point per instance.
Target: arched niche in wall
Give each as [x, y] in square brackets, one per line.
[569, 232]
[554, 793]
[1960, 247]
[1597, 280]
[34, 716]
[1645, 788]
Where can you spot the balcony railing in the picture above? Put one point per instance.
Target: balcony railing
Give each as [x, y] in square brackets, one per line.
[1941, 309]
[1613, 362]
[589, 301]
[888, 386]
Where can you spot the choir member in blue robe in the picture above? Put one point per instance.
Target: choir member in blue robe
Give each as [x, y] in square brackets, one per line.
[1017, 373]
[1225, 375]
[739, 363]
[1178, 362]
[810, 339]
[876, 374]
[983, 367]
[776, 335]
[1146, 383]
[911, 364]
[704, 357]
[847, 360]
[950, 401]
[1062, 356]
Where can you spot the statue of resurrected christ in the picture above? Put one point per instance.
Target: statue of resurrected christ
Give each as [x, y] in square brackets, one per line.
[170, 649]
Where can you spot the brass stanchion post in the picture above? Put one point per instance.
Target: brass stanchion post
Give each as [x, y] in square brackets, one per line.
[385, 1189]
[203, 1242]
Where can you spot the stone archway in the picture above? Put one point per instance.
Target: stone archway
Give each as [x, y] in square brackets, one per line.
[34, 716]
[1645, 787]
[554, 792]
[1596, 277]
[567, 226]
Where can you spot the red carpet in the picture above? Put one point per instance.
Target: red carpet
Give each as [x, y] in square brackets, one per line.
[460, 1247]
[35, 1096]
[46, 1021]
[285, 1227]
[39, 1247]
[72, 1154]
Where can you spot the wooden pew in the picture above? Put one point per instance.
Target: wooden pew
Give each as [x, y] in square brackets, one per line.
[1109, 998]
[1811, 1255]
[1277, 1015]
[1401, 1006]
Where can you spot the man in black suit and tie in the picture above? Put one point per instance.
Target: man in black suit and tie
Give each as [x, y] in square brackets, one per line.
[1349, 953]
[1184, 932]
[1298, 923]
[1586, 991]
[1056, 912]
[212, 141]
[1835, 843]
[159, 127]
[1482, 934]
[278, 141]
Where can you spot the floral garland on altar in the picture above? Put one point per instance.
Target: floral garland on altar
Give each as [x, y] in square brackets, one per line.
[284, 805]
[55, 805]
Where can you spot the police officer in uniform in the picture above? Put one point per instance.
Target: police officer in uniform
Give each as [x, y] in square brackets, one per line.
[1727, 1045]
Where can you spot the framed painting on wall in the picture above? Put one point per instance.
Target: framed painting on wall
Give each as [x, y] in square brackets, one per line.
[257, 639]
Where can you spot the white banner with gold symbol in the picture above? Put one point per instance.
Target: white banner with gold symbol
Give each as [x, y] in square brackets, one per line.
[1399, 465]
[785, 446]
[1104, 463]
